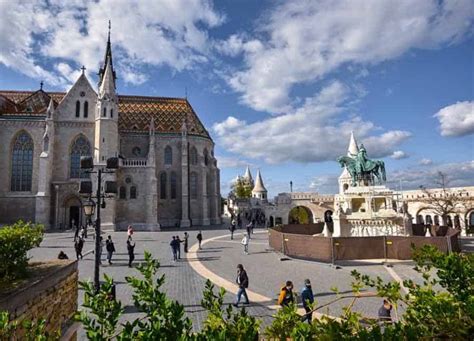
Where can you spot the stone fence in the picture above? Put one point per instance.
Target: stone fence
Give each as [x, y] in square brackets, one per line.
[51, 296]
[294, 242]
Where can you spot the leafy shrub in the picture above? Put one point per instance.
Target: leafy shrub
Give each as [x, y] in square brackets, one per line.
[28, 331]
[15, 241]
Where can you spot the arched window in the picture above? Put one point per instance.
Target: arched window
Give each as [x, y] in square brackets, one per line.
[471, 219]
[78, 108]
[193, 156]
[111, 113]
[449, 221]
[193, 185]
[80, 147]
[428, 220]
[206, 157]
[86, 109]
[174, 185]
[419, 219]
[163, 185]
[122, 193]
[104, 114]
[168, 155]
[133, 192]
[436, 220]
[457, 222]
[22, 163]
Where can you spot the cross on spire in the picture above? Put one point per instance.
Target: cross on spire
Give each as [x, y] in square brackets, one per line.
[83, 68]
[41, 85]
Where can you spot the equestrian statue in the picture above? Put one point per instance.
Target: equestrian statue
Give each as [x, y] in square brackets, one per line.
[363, 169]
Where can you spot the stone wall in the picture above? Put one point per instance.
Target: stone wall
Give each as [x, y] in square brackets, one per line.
[52, 297]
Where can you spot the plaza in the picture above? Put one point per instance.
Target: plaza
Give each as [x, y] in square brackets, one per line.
[217, 261]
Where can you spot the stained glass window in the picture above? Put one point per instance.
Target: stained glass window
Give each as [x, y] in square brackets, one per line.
[193, 157]
[174, 185]
[163, 186]
[80, 147]
[22, 163]
[168, 155]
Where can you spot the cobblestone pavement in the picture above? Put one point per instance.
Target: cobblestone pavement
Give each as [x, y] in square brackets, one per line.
[266, 270]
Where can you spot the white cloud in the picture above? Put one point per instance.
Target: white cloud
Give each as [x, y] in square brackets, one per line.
[325, 184]
[231, 162]
[399, 154]
[302, 41]
[459, 174]
[313, 132]
[425, 162]
[170, 32]
[456, 119]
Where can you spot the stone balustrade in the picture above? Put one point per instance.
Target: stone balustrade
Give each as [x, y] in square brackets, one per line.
[134, 163]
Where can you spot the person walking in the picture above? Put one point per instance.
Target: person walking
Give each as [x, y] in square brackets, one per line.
[186, 237]
[110, 247]
[242, 281]
[174, 249]
[78, 245]
[286, 295]
[131, 251]
[249, 228]
[308, 299]
[232, 229]
[199, 238]
[245, 243]
[129, 231]
[384, 313]
[178, 246]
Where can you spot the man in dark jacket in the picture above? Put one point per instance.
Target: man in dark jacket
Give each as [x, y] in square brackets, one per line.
[131, 251]
[174, 248]
[308, 299]
[78, 245]
[199, 238]
[385, 312]
[243, 282]
[286, 295]
[110, 247]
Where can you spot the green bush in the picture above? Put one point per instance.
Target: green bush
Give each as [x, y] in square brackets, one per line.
[15, 241]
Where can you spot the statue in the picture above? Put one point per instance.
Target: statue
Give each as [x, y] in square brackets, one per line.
[362, 168]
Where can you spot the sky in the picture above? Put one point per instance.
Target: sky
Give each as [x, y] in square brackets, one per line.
[280, 85]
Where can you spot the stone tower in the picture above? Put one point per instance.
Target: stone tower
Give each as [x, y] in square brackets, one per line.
[259, 191]
[345, 178]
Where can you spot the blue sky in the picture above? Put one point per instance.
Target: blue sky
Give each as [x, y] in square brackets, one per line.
[279, 85]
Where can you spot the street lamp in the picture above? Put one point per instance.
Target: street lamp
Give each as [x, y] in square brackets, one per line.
[87, 164]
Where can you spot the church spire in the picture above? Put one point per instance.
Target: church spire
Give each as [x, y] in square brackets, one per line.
[107, 61]
[353, 148]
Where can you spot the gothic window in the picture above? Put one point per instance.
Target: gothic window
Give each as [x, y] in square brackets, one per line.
[78, 108]
[133, 192]
[22, 163]
[168, 155]
[174, 185]
[105, 112]
[163, 185]
[111, 113]
[86, 109]
[193, 185]
[206, 157]
[122, 193]
[193, 156]
[80, 147]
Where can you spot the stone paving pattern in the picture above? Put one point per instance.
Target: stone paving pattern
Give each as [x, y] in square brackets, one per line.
[266, 270]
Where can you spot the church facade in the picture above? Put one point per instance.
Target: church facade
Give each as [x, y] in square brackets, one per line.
[168, 175]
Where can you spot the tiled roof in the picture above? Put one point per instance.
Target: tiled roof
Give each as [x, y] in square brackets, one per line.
[135, 112]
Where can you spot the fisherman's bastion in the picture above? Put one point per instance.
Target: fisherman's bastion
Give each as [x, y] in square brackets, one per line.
[360, 209]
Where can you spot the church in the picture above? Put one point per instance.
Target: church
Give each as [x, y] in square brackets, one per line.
[168, 175]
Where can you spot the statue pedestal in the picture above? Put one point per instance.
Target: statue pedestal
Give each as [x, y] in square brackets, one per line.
[368, 211]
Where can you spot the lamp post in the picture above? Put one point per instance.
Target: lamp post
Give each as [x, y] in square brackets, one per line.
[86, 188]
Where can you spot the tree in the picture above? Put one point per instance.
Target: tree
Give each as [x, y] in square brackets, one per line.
[445, 202]
[241, 188]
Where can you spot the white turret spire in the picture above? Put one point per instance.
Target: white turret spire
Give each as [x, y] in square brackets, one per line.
[353, 148]
[259, 191]
[248, 175]
[107, 86]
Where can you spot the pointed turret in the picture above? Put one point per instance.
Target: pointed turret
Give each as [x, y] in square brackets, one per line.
[248, 175]
[107, 61]
[259, 191]
[107, 85]
[353, 149]
[50, 110]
